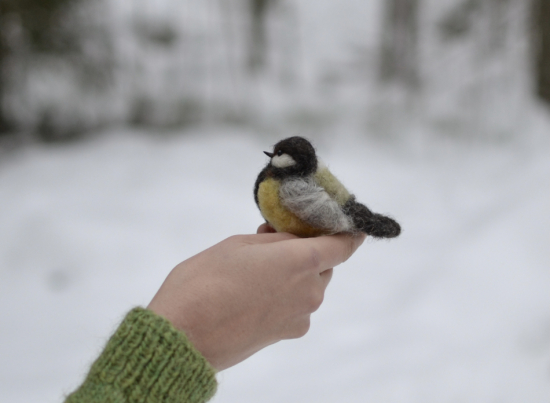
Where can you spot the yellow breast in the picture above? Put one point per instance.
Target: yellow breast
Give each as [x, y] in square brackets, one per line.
[280, 218]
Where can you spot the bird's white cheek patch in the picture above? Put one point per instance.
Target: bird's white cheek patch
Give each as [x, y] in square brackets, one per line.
[282, 161]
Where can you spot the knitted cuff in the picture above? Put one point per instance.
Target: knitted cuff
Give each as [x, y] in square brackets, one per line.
[148, 360]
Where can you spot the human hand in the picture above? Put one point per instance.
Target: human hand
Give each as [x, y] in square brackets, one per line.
[250, 291]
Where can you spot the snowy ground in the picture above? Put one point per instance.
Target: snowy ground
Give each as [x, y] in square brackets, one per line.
[455, 310]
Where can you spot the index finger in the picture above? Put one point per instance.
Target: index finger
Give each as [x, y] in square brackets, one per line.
[331, 250]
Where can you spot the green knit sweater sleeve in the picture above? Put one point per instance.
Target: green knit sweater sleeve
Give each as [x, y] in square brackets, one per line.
[147, 360]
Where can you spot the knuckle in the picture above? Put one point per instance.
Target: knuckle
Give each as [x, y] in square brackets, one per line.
[313, 258]
[238, 239]
[234, 238]
[300, 329]
[304, 328]
[315, 300]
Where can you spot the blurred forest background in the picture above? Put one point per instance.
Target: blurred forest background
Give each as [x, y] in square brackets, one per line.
[470, 68]
[131, 134]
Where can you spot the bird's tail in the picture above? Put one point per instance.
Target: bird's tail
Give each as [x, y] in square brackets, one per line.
[376, 225]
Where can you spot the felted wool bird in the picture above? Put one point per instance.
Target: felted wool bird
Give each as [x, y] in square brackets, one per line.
[297, 193]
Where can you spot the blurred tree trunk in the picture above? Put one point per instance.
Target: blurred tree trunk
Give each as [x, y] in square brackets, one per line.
[498, 23]
[42, 29]
[399, 53]
[540, 21]
[256, 57]
[4, 124]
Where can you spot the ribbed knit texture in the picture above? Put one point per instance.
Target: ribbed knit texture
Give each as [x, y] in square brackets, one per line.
[147, 360]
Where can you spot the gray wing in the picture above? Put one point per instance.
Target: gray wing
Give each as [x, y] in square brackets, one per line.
[313, 205]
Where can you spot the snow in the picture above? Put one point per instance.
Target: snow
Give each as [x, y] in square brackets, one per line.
[456, 309]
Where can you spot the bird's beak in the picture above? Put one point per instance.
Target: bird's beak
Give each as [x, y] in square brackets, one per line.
[270, 155]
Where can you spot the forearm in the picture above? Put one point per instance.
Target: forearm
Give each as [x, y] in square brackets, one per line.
[147, 359]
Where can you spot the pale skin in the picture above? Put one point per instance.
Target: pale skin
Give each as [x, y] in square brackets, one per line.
[250, 291]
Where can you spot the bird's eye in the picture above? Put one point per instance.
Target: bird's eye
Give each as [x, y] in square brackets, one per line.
[280, 152]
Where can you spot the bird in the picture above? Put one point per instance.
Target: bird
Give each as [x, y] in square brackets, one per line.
[297, 193]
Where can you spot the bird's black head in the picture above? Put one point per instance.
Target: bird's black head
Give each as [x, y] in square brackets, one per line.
[294, 156]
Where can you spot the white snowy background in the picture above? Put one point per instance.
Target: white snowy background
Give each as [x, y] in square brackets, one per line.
[457, 309]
